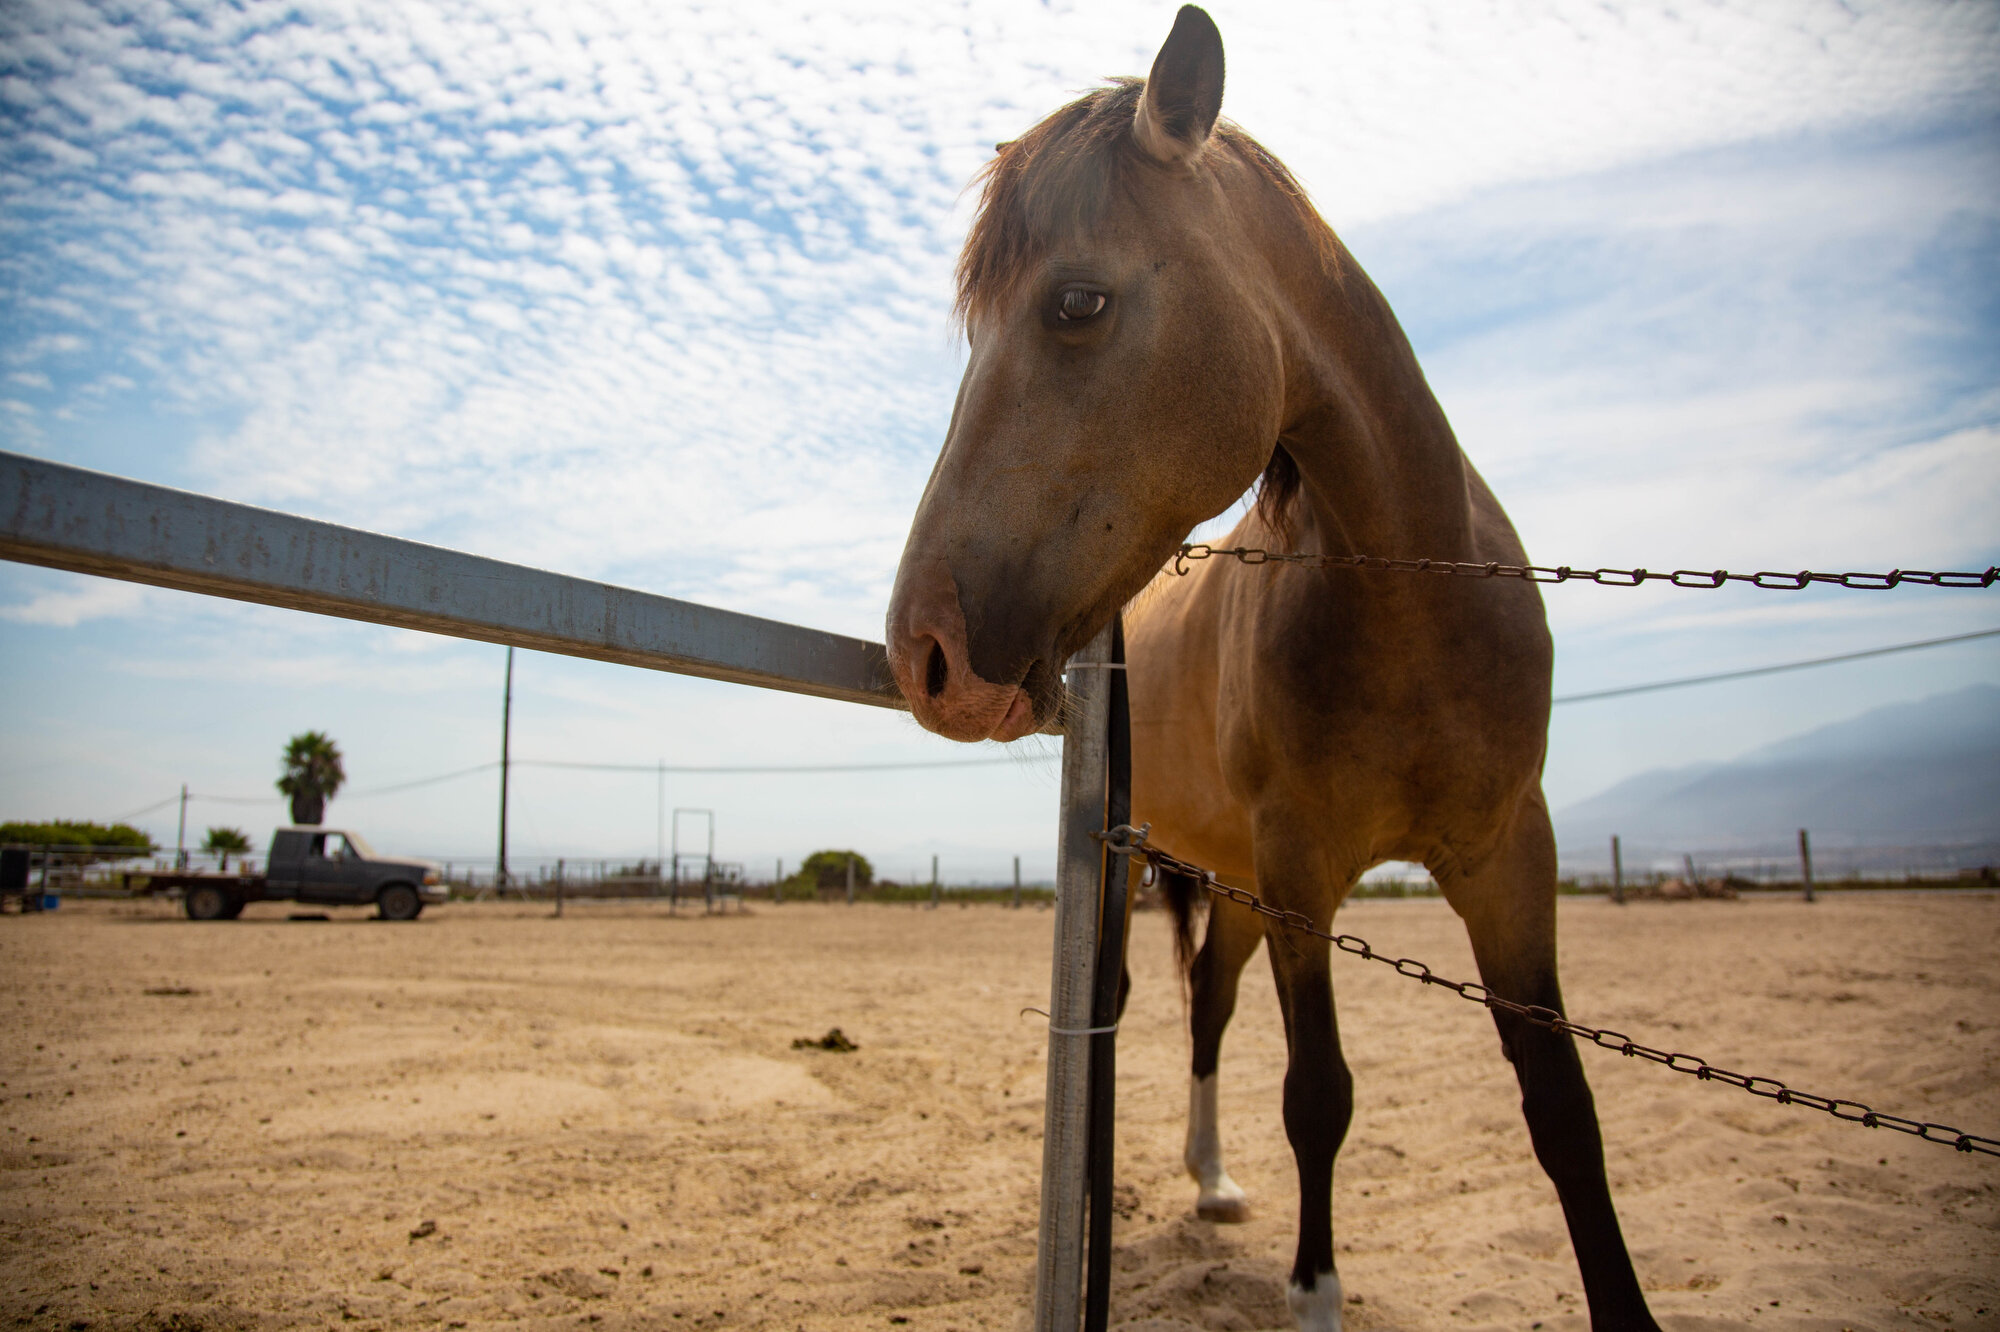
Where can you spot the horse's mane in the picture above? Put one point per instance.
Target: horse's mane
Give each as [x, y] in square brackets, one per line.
[1054, 182]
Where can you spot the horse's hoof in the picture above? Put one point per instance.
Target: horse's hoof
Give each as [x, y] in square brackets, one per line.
[1224, 1211]
[1318, 1309]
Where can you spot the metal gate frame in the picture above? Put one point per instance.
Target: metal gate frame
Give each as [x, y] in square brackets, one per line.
[64, 517]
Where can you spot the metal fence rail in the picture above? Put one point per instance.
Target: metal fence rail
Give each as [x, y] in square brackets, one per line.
[89, 522]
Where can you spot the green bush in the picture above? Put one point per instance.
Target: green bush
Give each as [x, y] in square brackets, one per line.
[78, 832]
[827, 870]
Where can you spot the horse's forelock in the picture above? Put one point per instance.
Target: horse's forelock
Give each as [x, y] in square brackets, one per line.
[1054, 182]
[1049, 183]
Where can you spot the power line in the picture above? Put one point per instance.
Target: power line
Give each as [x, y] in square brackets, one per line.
[1773, 670]
[712, 768]
[653, 768]
[137, 813]
[425, 781]
[770, 769]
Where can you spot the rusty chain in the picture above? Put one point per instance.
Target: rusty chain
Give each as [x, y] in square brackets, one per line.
[1125, 840]
[1537, 573]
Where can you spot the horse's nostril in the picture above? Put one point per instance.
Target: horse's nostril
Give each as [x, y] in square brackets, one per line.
[935, 671]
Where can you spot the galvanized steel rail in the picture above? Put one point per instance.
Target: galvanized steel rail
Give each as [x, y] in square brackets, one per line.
[89, 522]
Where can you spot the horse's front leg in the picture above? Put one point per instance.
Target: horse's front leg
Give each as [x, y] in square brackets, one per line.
[1509, 909]
[1232, 938]
[1319, 1090]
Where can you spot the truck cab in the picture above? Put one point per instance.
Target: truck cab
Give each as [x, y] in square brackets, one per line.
[337, 867]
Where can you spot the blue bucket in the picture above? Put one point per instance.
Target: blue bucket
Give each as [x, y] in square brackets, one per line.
[50, 901]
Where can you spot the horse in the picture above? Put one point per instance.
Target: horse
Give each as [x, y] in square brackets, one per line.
[1157, 319]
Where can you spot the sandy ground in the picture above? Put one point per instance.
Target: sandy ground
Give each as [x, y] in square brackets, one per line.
[491, 1117]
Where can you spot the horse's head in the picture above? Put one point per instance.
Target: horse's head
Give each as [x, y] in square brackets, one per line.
[1124, 383]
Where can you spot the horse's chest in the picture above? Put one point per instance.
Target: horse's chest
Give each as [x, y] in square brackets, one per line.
[1389, 721]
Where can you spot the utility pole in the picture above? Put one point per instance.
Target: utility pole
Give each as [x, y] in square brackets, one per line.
[1805, 862]
[180, 838]
[1617, 873]
[506, 759]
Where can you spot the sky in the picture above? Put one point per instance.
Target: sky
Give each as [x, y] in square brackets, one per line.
[659, 294]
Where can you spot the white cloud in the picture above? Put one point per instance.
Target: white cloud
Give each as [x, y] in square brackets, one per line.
[659, 294]
[72, 604]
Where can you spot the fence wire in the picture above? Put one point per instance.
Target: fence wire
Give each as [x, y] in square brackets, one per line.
[1125, 840]
[1563, 573]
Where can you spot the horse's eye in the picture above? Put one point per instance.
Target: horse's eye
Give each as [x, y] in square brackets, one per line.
[1078, 303]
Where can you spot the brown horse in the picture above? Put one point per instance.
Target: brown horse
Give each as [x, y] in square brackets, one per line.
[1157, 316]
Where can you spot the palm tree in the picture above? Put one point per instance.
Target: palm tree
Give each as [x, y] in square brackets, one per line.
[227, 841]
[312, 773]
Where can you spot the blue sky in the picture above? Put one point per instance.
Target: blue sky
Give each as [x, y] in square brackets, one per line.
[659, 294]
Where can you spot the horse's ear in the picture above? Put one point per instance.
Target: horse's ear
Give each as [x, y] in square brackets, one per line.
[1184, 92]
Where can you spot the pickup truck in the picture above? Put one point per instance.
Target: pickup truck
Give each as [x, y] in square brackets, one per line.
[319, 865]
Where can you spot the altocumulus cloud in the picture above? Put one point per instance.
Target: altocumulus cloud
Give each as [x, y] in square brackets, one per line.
[659, 293]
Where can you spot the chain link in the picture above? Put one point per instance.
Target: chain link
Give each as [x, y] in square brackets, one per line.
[1537, 573]
[1126, 840]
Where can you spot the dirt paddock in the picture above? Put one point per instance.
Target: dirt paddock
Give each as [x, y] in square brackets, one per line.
[491, 1117]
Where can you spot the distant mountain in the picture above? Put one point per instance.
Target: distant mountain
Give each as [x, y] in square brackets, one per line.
[1923, 774]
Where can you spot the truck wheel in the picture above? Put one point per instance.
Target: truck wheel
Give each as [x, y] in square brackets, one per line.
[399, 901]
[205, 901]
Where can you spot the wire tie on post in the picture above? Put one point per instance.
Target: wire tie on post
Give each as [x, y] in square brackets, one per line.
[1054, 1030]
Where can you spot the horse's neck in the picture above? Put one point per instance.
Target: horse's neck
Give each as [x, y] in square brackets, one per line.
[1382, 471]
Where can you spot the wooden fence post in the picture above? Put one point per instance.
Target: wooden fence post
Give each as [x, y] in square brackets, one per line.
[1805, 862]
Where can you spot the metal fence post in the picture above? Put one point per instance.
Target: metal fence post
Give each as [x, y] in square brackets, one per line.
[1017, 883]
[1079, 860]
[850, 880]
[1805, 862]
[934, 883]
[1617, 873]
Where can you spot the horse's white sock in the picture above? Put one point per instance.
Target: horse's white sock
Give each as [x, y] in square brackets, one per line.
[1318, 1309]
[1222, 1198]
